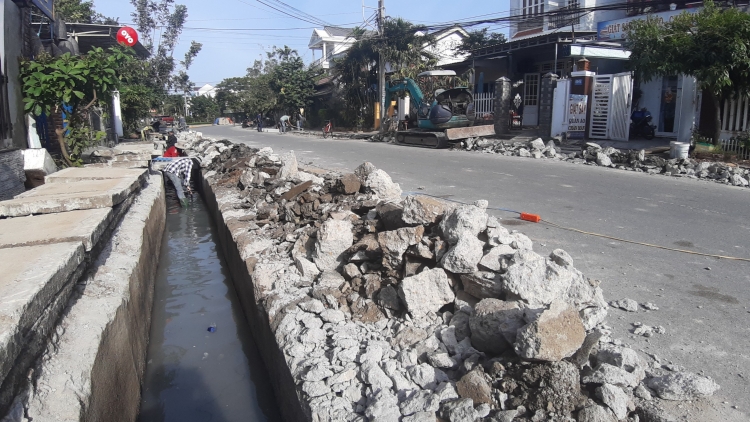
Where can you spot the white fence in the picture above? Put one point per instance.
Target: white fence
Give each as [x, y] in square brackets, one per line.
[735, 147]
[484, 105]
[735, 115]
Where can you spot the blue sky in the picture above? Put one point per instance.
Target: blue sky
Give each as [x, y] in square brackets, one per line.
[228, 53]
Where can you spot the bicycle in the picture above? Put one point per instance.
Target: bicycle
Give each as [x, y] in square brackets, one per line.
[327, 129]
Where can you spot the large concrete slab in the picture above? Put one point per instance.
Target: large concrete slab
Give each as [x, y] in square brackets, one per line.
[31, 278]
[77, 174]
[84, 226]
[60, 197]
[94, 369]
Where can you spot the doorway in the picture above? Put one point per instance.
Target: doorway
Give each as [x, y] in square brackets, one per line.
[668, 105]
[531, 99]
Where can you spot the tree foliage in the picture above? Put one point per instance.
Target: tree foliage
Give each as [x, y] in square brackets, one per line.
[401, 46]
[280, 85]
[80, 11]
[164, 15]
[204, 108]
[77, 82]
[479, 39]
[712, 45]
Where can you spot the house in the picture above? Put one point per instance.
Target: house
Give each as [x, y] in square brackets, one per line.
[206, 90]
[330, 42]
[444, 46]
[538, 19]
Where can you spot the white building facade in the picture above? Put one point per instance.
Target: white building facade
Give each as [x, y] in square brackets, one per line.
[536, 23]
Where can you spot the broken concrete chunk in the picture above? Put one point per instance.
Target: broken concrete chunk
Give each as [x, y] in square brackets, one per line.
[463, 222]
[423, 210]
[615, 399]
[380, 184]
[494, 325]
[482, 284]
[475, 387]
[556, 334]
[625, 304]
[682, 386]
[394, 243]
[334, 237]
[464, 256]
[289, 166]
[561, 258]
[348, 184]
[364, 170]
[493, 259]
[426, 292]
[596, 413]
[498, 235]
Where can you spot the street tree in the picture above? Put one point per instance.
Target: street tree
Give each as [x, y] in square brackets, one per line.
[204, 108]
[169, 18]
[290, 79]
[479, 39]
[713, 45]
[73, 85]
[401, 46]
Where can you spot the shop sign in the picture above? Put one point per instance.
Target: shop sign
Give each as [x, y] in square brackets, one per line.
[618, 29]
[577, 108]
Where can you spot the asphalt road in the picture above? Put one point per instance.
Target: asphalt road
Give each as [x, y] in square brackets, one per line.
[704, 303]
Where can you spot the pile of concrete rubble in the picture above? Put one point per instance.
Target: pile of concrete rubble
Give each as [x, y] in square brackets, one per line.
[407, 309]
[632, 160]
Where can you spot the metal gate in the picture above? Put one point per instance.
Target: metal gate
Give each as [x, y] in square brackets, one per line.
[610, 108]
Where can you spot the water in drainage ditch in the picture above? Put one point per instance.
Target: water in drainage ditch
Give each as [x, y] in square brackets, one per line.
[202, 364]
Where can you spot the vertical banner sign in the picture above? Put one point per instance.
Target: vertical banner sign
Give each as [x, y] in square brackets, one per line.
[127, 36]
[117, 113]
[577, 107]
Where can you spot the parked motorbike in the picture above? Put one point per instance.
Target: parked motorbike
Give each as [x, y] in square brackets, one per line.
[640, 124]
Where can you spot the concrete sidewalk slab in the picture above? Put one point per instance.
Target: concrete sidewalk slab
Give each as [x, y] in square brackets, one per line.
[32, 276]
[77, 174]
[60, 197]
[138, 149]
[83, 226]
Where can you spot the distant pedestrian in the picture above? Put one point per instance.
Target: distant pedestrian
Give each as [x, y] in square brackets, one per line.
[260, 122]
[284, 120]
[171, 139]
[300, 119]
[179, 172]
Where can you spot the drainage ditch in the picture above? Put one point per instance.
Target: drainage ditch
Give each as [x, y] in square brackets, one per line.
[202, 363]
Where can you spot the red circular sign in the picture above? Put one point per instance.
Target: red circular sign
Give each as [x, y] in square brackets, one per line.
[127, 36]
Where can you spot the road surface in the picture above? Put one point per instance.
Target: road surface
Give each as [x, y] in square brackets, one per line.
[703, 302]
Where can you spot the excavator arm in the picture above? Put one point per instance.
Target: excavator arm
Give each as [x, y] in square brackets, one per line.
[404, 85]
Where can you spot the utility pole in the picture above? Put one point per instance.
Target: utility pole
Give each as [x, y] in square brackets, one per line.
[381, 65]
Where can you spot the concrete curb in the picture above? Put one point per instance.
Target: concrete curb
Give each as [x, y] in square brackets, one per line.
[92, 370]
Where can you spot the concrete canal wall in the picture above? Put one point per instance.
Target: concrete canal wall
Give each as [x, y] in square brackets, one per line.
[77, 258]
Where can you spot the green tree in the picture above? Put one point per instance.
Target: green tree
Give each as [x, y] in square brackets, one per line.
[73, 84]
[80, 11]
[712, 45]
[204, 108]
[401, 47]
[479, 39]
[168, 19]
[290, 79]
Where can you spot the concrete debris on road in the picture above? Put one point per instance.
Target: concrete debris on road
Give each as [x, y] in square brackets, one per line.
[410, 309]
[631, 160]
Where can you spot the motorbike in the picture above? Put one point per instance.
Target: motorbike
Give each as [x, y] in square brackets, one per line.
[640, 124]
